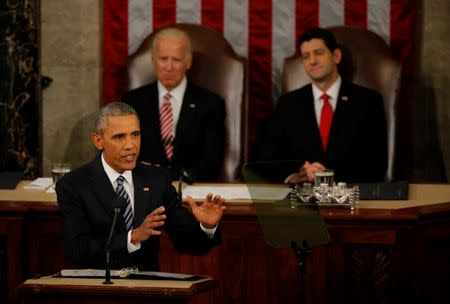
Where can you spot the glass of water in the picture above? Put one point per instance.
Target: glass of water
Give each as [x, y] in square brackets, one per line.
[324, 177]
[58, 171]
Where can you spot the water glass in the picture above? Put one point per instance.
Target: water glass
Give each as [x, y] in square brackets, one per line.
[324, 177]
[58, 171]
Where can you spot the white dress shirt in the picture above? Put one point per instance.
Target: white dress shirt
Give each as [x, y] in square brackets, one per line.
[332, 91]
[129, 188]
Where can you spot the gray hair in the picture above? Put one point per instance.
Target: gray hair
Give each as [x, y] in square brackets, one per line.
[173, 32]
[110, 110]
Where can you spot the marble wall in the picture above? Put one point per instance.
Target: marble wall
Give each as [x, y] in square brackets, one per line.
[71, 56]
[19, 86]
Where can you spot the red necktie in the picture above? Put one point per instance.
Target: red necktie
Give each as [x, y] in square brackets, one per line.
[166, 118]
[326, 116]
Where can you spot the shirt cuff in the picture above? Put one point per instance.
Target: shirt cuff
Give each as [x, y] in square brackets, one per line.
[130, 246]
[288, 178]
[209, 232]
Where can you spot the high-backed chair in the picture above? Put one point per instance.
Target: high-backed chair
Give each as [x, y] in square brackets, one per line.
[367, 61]
[216, 67]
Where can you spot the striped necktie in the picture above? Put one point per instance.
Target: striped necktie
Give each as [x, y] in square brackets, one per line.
[120, 192]
[166, 118]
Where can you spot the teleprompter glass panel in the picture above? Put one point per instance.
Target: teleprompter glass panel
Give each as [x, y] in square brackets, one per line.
[283, 223]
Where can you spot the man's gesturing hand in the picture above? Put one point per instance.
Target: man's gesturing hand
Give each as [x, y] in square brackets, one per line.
[147, 228]
[209, 212]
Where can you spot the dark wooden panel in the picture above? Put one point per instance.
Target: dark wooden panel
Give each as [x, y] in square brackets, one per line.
[374, 256]
[3, 270]
[45, 254]
[11, 235]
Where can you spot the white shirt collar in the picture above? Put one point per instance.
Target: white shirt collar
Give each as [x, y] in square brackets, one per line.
[177, 93]
[113, 174]
[332, 91]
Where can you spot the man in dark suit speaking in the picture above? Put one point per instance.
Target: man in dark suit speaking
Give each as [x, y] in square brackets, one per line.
[85, 198]
[183, 125]
[330, 123]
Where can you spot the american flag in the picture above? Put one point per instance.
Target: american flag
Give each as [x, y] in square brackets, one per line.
[262, 31]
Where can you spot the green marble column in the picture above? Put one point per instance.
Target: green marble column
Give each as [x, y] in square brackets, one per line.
[20, 91]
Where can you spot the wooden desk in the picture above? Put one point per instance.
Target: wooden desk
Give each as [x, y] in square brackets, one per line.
[385, 251]
[85, 291]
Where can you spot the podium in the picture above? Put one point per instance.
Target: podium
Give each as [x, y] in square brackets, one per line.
[84, 291]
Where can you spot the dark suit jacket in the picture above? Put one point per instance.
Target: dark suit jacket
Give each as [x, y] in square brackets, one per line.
[85, 196]
[357, 145]
[199, 137]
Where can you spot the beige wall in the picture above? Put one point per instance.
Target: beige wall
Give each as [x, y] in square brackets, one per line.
[432, 106]
[71, 56]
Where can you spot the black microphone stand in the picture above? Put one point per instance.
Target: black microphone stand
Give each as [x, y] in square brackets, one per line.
[180, 186]
[118, 206]
[301, 252]
[184, 176]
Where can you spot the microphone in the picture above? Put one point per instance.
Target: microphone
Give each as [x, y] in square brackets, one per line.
[184, 176]
[119, 204]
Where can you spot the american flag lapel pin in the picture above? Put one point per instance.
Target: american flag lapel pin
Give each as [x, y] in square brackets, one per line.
[344, 98]
[146, 189]
[192, 105]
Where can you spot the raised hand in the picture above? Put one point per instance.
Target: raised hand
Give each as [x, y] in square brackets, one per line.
[149, 226]
[209, 212]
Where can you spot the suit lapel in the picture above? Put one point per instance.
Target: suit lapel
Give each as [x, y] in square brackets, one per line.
[339, 118]
[312, 129]
[105, 193]
[102, 186]
[154, 112]
[186, 118]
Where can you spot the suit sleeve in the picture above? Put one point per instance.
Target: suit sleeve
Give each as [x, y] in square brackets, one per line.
[182, 227]
[85, 243]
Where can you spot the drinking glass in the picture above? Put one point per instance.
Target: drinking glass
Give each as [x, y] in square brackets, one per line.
[305, 193]
[324, 177]
[58, 171]
[340, 192]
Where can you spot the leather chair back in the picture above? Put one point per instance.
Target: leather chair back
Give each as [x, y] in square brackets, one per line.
[216, 67]
[367, 61]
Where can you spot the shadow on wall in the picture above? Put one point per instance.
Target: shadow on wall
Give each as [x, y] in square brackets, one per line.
[80, 149]
[429, 161]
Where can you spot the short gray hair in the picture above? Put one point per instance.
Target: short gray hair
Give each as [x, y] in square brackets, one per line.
[110, 110]
[172, 32]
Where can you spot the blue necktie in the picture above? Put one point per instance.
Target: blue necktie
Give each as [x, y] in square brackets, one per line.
[120, 192]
